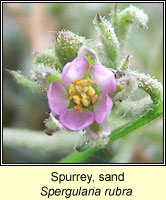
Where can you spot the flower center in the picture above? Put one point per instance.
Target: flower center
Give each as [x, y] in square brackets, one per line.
[83, 93]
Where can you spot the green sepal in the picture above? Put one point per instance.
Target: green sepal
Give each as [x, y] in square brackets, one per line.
[50, 125]
[51, 78]
[89, 54]
[125, 64]
[95, 127]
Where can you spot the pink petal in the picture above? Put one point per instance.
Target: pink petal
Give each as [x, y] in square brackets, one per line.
[66, 67]
[75, 120]
[74, 70]
[102, 107]
[57, 98]
[104, 78]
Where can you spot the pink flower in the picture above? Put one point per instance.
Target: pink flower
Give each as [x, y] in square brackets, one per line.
[89, 95]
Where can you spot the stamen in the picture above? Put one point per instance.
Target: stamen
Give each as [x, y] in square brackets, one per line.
[76, 99]
[85, 102]
[78, 88]
[94, 98]
[82, 93]
[82, 83]
[75, 82]
[72, 89]
[90, 81]
[85, 89]
[91, 91]
[79, 108]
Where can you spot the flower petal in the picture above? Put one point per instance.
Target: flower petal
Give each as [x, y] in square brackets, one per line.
[57, 98]
[74, 70]
[104, 78]
[102, 108]
[75, 120]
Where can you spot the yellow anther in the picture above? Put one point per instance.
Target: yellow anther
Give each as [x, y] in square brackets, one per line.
[90, 81]
[82, 83]
[82, 93]
[85, 102]
[91, 91]
[85, 89]
[79, 108]
[77, 99]
[94, 98]
[74, 82]
[78, 89]
[72, 89]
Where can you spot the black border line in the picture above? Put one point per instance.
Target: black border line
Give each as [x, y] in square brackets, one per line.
[84, 164]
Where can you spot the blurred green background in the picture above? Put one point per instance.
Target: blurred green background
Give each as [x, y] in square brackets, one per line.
[28, 27]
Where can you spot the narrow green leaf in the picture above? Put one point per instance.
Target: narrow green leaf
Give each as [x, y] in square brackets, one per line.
[79, 157]
[115, 19]
[37, 142]
[149, 84]
[109, 40]
[25, 81]
[148, 116]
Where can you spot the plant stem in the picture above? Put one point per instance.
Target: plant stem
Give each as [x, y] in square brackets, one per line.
[154, 112]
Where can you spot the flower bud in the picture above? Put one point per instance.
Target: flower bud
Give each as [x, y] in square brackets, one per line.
[126, 18]
[67, 46]
[45, 57]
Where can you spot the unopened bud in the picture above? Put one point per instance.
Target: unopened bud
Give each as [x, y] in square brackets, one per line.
[69, 44]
